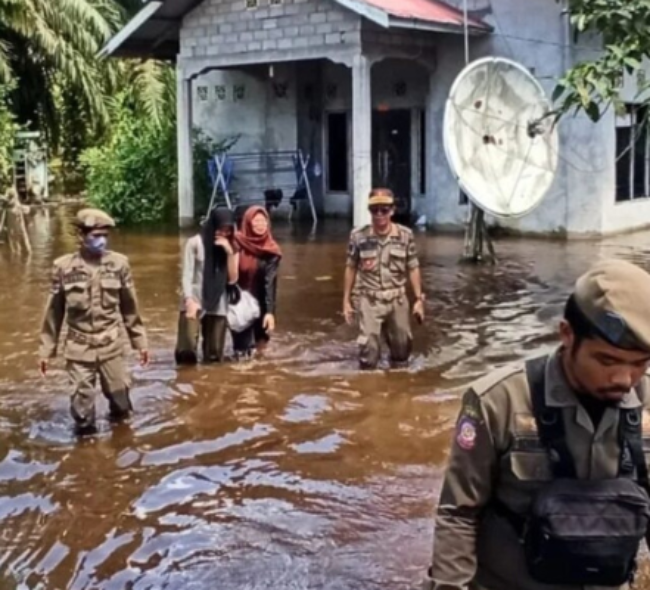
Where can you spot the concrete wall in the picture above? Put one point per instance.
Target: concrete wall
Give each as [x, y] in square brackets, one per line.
[581, 201]
[534, 42]
[227, 29]
[262, 120]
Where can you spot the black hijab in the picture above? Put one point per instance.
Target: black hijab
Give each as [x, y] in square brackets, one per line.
[215, 266]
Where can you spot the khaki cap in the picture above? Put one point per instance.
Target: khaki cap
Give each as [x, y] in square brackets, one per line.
[614, 295]
[381, 196]
[94, 219]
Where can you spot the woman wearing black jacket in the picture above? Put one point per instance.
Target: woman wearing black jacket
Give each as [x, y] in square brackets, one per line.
[259, 258]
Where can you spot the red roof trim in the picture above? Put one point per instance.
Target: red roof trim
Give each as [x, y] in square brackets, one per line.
[431, 11]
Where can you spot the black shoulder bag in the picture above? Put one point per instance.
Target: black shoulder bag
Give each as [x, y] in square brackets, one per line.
[585, 532]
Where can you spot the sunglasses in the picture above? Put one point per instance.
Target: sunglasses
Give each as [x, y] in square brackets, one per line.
[380, 210]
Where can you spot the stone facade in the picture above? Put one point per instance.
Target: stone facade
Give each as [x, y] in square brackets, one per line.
[228, 28]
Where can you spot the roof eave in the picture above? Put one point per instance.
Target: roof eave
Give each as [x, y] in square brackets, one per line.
[376, 15]
[130, 28]
[422, 25]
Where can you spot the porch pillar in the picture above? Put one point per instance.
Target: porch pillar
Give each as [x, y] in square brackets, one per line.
[361, 138]
[184, 141]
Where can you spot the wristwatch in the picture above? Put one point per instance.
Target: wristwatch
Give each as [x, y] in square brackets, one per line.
[420, 298]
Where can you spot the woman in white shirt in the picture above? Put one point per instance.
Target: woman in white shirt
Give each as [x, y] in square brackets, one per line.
[210, 265]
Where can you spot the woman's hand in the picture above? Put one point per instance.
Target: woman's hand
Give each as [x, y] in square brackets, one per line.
[224, 243]
[269, 322]
[191, 308]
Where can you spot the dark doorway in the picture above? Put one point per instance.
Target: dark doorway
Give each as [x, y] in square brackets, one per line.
[391, 156]
[337, 152]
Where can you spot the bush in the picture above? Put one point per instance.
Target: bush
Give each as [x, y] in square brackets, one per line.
[133, 176]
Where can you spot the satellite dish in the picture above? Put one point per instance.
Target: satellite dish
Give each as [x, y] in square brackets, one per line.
[499, 141]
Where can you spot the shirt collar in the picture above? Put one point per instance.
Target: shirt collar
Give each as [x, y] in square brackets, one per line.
[560, 394]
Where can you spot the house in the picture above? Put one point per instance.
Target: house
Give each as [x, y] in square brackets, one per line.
[360, 87]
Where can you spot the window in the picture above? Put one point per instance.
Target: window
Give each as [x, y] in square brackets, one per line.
[275, 2]
[250, 4]
[337, 152]
[632, 154]
[462, 197]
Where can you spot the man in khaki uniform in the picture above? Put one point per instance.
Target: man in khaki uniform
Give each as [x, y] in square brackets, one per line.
[498, 464]
[382, 259]
[94, 289]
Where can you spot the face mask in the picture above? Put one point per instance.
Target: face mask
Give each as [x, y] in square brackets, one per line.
[95, 244]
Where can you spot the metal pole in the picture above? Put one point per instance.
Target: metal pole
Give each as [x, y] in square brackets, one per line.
[466, 31]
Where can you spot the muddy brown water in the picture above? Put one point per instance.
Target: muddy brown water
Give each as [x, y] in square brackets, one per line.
[295, 471]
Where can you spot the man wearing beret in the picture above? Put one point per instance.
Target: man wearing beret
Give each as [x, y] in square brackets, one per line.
[547, 482]
[93, 288]
[381, 261]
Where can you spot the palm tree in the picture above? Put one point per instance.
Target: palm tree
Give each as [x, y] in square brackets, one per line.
[50, 47]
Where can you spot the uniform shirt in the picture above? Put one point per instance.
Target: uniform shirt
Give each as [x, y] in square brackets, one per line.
[97, 299]
[382, 262]
[496, 455]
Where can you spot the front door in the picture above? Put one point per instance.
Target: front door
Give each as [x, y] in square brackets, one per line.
[391, 155]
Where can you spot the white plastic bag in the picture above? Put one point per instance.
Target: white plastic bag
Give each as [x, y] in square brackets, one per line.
[244, 313]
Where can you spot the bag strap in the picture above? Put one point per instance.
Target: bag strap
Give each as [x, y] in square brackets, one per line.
[550, 425]
[631, 443]
[550, 422]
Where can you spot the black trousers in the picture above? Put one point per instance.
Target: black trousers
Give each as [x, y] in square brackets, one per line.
[212, 329]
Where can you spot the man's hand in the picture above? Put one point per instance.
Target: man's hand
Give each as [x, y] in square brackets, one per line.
[191, 308]
[269, 322]
[144, 358]
[42, 367]
[418, 310]
[224, 243]
[348, 311]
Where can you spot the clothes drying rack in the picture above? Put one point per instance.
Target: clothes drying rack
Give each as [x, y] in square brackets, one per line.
[228, 170]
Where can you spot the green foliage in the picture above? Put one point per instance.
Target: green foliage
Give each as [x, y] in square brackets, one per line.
[133, 175]
[51, 48]
[593, 86]
[8, 130]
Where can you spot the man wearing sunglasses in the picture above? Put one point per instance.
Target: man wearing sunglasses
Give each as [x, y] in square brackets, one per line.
[381, 260]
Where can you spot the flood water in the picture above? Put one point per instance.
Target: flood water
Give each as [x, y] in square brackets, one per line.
[295, 471]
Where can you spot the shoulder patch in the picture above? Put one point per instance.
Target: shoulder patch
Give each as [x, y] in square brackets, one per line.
[484, 384]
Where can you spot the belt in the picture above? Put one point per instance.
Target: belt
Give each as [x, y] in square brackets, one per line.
[384, 294]
[102, 339]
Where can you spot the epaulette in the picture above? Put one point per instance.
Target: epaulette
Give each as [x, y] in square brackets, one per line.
[64, 260]
[121, 257]
[484, 384]
[405, 230]
[360, 230]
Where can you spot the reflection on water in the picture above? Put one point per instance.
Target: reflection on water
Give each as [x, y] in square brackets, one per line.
[293, 471]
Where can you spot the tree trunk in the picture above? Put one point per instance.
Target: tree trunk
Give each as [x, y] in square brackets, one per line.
[477, 238]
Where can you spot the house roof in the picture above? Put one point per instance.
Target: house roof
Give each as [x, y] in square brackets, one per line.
[433, 15]
[154, 31]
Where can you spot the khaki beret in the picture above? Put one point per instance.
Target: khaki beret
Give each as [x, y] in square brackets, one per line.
[381, 196]
[94, 219]
[614, 295]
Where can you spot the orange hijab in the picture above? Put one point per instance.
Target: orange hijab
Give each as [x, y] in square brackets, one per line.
[253, 247]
